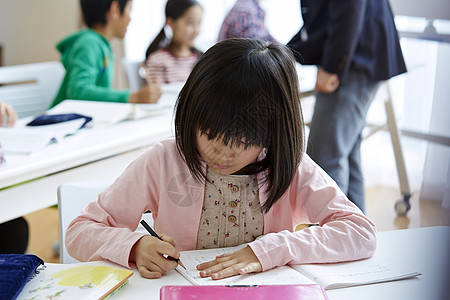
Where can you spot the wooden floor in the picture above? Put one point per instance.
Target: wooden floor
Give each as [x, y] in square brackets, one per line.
[43, 233]
[44, 230]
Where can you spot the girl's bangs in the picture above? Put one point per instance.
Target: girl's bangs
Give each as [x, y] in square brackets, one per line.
[234, 123]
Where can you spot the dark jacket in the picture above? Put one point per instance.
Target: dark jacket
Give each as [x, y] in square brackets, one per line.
[339, 35]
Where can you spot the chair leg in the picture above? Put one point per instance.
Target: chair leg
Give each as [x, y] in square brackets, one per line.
[402, 206]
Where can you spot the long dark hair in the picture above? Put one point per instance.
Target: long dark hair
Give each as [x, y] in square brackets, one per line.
[174, 10]
[244, 90]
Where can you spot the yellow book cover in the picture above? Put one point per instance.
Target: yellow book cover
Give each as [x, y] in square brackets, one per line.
[92, 280]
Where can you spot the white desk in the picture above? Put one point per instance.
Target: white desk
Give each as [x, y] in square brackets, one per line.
[92, 154]
[426, 249]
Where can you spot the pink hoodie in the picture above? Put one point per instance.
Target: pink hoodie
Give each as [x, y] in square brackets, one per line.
[160, 181]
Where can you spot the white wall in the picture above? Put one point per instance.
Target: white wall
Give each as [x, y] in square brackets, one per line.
[282, 18]
[29, 29]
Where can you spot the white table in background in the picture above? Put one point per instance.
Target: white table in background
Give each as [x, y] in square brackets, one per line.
[91, 154]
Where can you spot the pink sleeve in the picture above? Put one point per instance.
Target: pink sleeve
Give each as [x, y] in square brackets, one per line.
[105, 229]
[344, 232]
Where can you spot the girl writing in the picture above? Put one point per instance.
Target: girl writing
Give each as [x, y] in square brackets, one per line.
[171, 60]
[235, 173]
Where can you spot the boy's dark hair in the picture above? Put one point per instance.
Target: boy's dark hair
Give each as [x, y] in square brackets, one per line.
[174, 10]
[94, 11]
[244, 90]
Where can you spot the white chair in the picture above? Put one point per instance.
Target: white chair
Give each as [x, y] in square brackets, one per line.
[72, 198]
[30, 88]
[135, 81]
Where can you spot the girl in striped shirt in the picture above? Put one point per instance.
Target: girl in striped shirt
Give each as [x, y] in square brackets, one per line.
[172, 59]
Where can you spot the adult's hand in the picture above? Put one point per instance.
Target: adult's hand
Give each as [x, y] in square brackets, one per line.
[326, 82]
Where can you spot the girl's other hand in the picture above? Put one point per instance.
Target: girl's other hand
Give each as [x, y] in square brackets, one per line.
[154, 86]
[150, 255]
[149, 93]
[240, 262]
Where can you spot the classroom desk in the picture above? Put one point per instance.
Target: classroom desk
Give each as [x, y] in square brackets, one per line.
[91, 154]
[425, 249]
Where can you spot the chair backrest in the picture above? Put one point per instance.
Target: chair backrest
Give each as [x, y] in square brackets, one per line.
[30, 88]
[135, 81]
[72, 198]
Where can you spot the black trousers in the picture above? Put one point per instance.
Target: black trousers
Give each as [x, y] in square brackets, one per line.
[14, 236]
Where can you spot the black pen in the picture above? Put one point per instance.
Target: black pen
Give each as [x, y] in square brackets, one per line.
[153, 233]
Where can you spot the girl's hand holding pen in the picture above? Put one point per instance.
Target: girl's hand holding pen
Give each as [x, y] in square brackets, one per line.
[149, 254]
[240, 262]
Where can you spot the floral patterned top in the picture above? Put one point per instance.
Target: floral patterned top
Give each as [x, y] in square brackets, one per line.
[231, 212]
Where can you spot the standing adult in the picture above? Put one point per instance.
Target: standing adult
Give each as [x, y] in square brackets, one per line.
[355, 45]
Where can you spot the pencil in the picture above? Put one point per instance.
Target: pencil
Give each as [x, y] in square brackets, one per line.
[153, 233]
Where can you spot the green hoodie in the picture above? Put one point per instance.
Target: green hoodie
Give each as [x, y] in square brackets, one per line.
[89, 63]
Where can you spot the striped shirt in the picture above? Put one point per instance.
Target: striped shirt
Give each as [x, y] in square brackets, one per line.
[245, 20]
[162, 64]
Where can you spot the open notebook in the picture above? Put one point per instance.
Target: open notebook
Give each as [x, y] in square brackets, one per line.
[329, 276]
[25, 139]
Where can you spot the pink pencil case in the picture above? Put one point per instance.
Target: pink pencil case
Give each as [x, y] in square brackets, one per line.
[260, 292]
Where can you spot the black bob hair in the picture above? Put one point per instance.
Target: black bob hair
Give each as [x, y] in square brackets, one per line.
[244, 90]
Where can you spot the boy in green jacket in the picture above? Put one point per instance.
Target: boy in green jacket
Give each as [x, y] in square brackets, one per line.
[89, 60]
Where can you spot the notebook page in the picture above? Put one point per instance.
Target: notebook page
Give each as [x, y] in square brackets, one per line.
[22, 141]
[25, 140]
[367, 271]
[279, 275]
